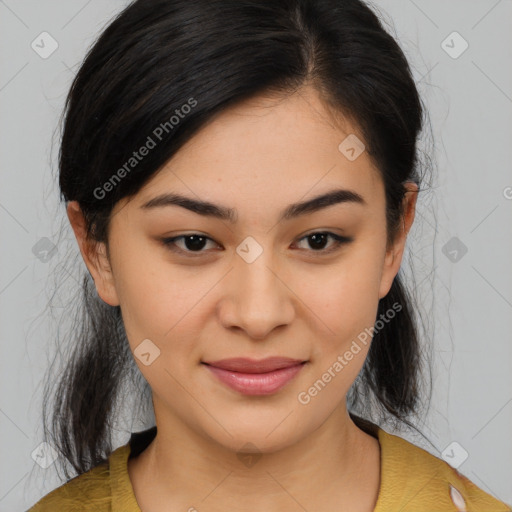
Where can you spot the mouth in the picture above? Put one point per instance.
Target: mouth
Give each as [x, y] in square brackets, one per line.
[255, 377]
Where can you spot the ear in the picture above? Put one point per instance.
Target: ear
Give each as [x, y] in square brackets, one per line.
[94, 255]
[394, 254]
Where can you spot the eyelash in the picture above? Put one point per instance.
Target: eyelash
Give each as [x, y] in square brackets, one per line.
[338, 242]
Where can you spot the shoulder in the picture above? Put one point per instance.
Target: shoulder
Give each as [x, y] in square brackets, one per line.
[413, 479]
[89, 491]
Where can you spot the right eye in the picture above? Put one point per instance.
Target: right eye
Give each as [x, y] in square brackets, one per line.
[193, 243]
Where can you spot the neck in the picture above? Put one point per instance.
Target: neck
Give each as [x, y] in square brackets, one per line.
[337, 467]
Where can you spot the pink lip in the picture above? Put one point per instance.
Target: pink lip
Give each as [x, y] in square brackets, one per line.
[253, 377]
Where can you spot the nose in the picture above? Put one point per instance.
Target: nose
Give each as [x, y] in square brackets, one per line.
[257, 298]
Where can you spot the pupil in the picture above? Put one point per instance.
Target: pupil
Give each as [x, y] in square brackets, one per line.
[194, 246]
[314, 237]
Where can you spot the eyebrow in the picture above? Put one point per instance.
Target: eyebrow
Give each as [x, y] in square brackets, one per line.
[208, 209]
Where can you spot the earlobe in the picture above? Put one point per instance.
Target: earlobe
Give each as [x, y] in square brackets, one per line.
[94, 256]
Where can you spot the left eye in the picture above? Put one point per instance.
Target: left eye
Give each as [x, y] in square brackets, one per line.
[194, 242]
[320, 237]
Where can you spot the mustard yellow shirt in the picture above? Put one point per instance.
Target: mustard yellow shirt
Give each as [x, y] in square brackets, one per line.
[411, 480]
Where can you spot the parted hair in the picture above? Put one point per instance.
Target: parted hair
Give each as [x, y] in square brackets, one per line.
[149, 61]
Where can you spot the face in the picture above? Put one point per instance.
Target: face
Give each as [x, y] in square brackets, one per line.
[261, 284]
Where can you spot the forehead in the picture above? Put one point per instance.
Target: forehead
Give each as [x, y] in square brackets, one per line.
[266, 151]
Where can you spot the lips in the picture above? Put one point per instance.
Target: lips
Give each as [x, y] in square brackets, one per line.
[255, 377]
[245, 365]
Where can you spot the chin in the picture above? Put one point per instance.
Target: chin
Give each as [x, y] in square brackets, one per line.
[257, 437]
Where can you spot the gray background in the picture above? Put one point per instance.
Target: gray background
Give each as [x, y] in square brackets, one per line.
[470, 103]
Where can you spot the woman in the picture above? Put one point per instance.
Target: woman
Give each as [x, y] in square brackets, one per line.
[241, 178]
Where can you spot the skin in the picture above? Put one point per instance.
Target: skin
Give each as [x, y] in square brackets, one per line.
[258, 158]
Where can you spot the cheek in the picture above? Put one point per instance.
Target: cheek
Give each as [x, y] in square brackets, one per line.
[344, 301]
[152, 299]
[164, 304]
